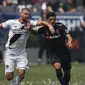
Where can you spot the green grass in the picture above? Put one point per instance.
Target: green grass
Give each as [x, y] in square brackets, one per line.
[45, 75]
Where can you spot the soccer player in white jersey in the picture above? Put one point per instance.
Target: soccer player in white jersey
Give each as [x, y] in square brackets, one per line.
[15, 55]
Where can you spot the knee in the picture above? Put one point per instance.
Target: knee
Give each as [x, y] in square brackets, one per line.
[21, 76]
[21, 73]
[57, 66]
[9, 77]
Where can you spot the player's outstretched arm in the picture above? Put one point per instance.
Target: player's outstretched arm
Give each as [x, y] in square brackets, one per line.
[46, 24]
[69, 40]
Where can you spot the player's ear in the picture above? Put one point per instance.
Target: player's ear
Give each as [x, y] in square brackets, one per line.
[20, 14]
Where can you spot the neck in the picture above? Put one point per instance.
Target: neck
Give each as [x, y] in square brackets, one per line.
[21, 20]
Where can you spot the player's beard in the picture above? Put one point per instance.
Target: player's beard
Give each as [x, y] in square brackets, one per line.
[27, 23]
[25, 20]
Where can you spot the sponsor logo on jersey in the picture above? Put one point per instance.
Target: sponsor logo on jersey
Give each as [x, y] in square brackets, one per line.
[53, 37]
[19, 31]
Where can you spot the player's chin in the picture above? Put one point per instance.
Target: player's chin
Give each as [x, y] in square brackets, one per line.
[26, 19]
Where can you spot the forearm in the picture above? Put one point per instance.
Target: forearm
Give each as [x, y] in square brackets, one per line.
[44, 23]
[69, 38]
[51, 29]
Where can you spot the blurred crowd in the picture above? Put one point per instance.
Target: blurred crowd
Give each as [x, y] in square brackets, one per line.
[41, 7]
[61, 6]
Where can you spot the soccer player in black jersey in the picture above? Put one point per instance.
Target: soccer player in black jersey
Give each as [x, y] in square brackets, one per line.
[58, 48]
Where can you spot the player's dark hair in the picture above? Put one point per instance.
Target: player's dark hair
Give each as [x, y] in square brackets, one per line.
[25, 9]
[49, 14]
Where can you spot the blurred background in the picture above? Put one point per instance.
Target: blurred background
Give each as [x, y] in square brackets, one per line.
[68, 12]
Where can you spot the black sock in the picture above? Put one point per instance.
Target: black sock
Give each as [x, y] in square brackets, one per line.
[66, 77]
[59, 75]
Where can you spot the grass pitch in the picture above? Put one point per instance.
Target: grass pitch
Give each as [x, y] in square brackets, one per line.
[45, 75]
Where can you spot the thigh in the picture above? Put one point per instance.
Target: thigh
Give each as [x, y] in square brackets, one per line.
[54, 58]
[9, 64]
[22, 61]
[66, 62]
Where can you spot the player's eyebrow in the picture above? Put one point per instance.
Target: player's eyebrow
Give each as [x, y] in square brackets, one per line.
[51, 19]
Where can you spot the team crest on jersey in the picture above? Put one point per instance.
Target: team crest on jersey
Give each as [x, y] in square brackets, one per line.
[7, 66]
[66, 30]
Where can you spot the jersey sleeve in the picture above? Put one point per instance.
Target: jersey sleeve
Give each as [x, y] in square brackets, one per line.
[66, 31]
[63, 29]
[6, 24]
[33, 22]
[36, 28]
[42, 30]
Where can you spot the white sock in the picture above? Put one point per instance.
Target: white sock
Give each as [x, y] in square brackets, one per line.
[16, 81]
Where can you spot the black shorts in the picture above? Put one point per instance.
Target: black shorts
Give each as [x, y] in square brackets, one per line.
[63, 59]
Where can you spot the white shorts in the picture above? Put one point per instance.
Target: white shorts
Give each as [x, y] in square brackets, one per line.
[14, 60]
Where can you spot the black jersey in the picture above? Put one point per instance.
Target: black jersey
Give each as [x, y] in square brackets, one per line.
[55, 41]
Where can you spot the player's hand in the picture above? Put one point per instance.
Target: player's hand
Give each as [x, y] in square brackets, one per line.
[69, 44]
[28, 24]
[51, 28]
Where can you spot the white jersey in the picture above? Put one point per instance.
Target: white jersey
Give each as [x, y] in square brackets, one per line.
[18, 35]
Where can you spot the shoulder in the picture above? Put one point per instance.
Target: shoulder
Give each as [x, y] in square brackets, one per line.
[58, 24]
[43, 29]
[12, 21]
[8, 23]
